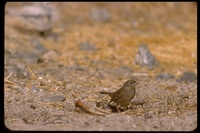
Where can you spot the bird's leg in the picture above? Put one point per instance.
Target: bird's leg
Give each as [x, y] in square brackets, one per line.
[125, 108]
[113, 108]
[118, 111]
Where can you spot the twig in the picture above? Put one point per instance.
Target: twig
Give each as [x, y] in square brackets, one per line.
[31, 72]
[9, 76]
[56, 88]
[101, 110]
[85, 109]
[6, 80]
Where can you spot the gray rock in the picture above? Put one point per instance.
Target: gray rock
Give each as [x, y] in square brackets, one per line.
[55, 98]
[19, 71]
[164, 76]
[32, 106]
[87, 47]
[36, 89]
[31, 57]
[119, 72]
[38, 45]
[77, 67]
[22, 73]
[148, 115]
[100, 15]
[145, 58]
[187, 76]
[33, 17]
[70, 107]
[49, 56]
[138, 102]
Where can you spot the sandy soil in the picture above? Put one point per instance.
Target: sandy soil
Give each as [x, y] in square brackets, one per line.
[46, 73]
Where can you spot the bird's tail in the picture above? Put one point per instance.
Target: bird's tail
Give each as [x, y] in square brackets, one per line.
[107, 93]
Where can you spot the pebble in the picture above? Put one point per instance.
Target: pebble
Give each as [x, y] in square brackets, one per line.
[148, 114]
[164, 76]
[139, 102]
[87, 47]
[86, 123]
[68, 106]
[38, 45]
[22, 73]
[32, 106]
[30, 57]
[77, 67]
[187, 76]
[100, 15]
[118, 72]
[55, 98]
[48, 56]
[34, 89]
[145, 58]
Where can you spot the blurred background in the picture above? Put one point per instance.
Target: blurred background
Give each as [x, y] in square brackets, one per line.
[84, 33]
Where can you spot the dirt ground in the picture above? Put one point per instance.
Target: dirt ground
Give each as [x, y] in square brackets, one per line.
[90, 47]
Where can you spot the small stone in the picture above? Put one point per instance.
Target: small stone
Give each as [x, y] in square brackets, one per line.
[139, 102]
[100, 15]
[155, 126]
[107, 124]
[40, 60]
[145, 58]
[187, 76]
[17, 99]
[22, 73]
[159, 111]
[148, 115]
[98, 121]
[68, 106]
[77, 67]
[164, 76]
[87, 47]
[118, 72]
[50, 55]
[32, 106]
[86, 123]
[26, 56]
[38, 45]
[34, 89]
[55, 98]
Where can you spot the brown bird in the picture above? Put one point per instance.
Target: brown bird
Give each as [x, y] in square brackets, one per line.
[124, 95]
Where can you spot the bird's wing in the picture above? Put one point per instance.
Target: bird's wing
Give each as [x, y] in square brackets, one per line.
[116, 95]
